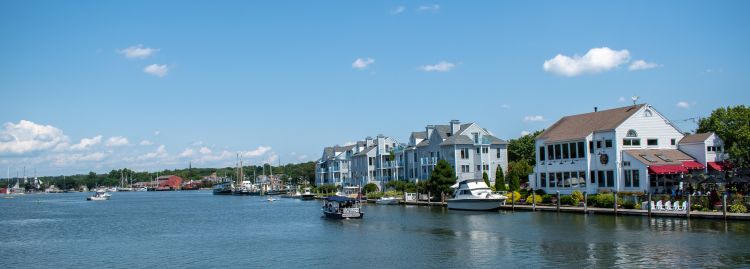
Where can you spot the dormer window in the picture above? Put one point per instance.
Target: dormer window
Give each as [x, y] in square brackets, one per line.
[448, 134]
[648, 113]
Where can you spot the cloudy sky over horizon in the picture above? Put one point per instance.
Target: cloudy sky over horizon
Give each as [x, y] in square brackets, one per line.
[94, 86]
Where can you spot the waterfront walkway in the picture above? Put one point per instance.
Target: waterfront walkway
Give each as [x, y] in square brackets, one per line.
[606, 211]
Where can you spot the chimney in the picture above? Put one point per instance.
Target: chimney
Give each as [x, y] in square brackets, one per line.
[429, 130]
[595, 109]
[368, 142]
[455, 126]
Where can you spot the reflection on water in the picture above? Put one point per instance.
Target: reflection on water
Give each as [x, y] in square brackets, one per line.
[197, 229]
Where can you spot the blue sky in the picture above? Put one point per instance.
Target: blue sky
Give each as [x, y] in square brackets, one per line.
[89, 85]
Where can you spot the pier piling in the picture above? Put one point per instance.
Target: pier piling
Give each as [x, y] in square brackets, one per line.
[585, 202]
[558, 201]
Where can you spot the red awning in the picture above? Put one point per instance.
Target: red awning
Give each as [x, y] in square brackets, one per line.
[719, 166]
[692, 165]
[667, 169]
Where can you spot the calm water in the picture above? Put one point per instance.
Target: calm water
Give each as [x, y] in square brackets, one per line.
[199, 230]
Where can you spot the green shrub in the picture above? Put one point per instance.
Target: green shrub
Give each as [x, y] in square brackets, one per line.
[547, 198]
[566, 200]
[515, 196]
[576, 197]
[738, 208]
[696, 207]
[394, 193]
[603, 200]
[540, 191]
[374, 195]
[370, 187]
[628, 205]
[530, 199]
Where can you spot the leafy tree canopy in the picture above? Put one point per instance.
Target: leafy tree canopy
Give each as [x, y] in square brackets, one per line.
[731, 124]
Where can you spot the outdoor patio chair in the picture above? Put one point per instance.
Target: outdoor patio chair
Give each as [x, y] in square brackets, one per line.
[653, 207]
[659, 206]
[684, 206]
[668, 206]
[677, 206]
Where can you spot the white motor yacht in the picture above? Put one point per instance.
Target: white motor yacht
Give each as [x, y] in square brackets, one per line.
[99, 196]
[474, 194]
[387, 201]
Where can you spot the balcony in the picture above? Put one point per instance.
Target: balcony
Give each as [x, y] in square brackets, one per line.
[428, 160]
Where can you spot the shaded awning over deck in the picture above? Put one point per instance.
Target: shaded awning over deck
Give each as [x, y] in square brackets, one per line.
[667, 169]
[693, 165]
[719, 166]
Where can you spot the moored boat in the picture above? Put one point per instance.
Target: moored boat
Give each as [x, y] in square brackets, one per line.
[387, 201]
[224, 188]
[474, 194]
[341, 207]
[99, 196]
[307, 195]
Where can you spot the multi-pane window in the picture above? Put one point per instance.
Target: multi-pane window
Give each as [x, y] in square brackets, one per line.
[652, 142]
[478, 150]
[552, 182]
[608, 143]
[564, 151]
[543, 179]
[573, 151]
[550, 153]
[485, 150]
[610, 178]
[600, 177]
[479, 167]
[498, 153]
[542, 154]
[632, 178]
[631, 141]
[582, 179]
[558, 152]
[581, 150]
[591, 146]
[673, 141]
[465, 168]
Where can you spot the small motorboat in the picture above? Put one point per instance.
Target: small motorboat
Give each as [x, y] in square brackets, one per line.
[474, 194]
[342, 207]
[99, 196]
[271, 199]
[307, 195]
[387, 201]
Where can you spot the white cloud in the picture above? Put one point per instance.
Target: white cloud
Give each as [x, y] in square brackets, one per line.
[146, 143]
[621, 99]
[28, 137]
[505, 106]
[157, 133]
[157, 70]
[161, 152]
[683, 104]
[302, 157]
[398, 10]
[187, 153]
[442, 66]
[71, 159]
[259, 151]
[197, 143]
[642, 65]
[594, 61]
[87, 142]
[117, 141]
[205, 150]
[137, 52]
[271, 159]
[428, 8]
[524, 132]
[361, 63]
[534, 118]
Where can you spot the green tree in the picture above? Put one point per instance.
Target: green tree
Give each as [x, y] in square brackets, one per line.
[486, 178]
[523, 148]
[514, 183]
[441, 178]
[731, 124]
[521, 168]
[370, 187]
[499, 179]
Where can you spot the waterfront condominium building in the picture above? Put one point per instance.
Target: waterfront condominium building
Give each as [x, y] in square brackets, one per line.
[632, 148]
[470, 149]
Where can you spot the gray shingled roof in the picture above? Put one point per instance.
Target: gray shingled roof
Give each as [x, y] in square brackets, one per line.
[424, 143]
[496, 141]
[695, 138]
[581, 125]
[457, 140]
[419, 135]
[365, 151]
[676, 156]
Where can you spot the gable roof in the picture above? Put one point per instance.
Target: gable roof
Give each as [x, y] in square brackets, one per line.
[675, 155]
[457, 140]
[581, 125]
[365, 151]
[419, 135]
[695, 138]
